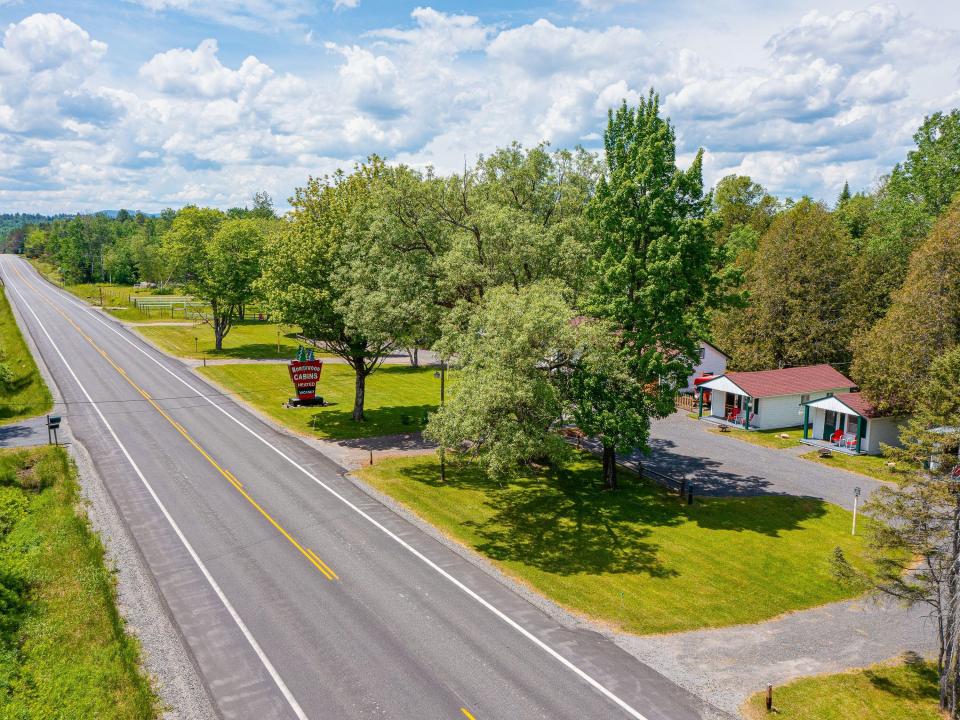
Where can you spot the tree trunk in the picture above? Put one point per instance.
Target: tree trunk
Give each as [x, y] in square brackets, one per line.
[609, 467]
[950, 624]
[361, 385]
[242, 312]
[414, 354]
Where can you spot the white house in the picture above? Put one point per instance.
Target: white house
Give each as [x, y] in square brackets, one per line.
[712, 362]
[768, 399]
[848, 422]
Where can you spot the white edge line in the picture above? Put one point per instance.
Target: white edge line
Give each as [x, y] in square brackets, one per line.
[291, 700]
[485, 603]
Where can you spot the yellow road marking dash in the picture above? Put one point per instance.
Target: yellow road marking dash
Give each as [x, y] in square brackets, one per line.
[467, 714]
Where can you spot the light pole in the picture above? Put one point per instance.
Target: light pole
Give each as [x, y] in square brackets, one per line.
[856, 496]
[442, 374]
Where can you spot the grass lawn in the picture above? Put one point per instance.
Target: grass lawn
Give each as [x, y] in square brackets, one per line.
[24, 394]
[64, 652]
[767, 438]
[116, 297]
[901, 691]
[637, 558]
[871, 465]
[249, 340]
[392, 393]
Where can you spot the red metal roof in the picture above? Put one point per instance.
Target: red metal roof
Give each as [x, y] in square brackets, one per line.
[790, 381]
[858, 403]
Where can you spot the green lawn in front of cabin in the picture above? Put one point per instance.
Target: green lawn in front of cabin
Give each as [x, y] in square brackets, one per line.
[637, 558]
[874, 466]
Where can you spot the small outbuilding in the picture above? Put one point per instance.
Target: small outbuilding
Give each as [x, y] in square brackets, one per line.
[712, 362]
[850, 423]
[768, 399]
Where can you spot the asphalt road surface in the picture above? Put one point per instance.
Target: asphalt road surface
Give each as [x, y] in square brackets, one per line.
[297, 594]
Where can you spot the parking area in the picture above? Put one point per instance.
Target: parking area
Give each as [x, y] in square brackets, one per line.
[723, 465]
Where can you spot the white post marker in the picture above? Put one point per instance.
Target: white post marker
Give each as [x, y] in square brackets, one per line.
[856, 496]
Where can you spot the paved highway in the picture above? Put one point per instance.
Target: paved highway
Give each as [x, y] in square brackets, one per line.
[297, 594]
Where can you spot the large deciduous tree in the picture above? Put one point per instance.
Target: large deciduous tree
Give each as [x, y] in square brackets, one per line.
[930, 176]
[798, 286]
[219, 260]
[654, 277]
[321, 268]
[892, 359]
[513, 362]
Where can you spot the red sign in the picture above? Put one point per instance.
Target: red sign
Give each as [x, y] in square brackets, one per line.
[305, 374]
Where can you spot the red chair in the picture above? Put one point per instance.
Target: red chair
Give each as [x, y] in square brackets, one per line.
[732, 415]
[836, 437]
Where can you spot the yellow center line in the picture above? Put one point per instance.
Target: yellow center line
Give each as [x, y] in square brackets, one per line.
[307, 553]
[467, 714]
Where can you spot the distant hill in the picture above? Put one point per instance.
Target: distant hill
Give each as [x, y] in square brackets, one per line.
[12, 221]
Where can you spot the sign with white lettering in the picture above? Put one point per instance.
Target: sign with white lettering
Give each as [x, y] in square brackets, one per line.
[305, 374]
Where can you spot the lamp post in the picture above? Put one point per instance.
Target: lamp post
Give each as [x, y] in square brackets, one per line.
[442, 374]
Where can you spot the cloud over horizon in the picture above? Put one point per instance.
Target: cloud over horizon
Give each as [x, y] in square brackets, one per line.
[834, 96]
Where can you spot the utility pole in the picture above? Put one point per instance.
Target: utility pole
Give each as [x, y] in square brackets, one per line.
[443, 377]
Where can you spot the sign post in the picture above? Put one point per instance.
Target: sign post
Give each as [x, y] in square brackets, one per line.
[856, 497]
[304, 373]
[53, 422]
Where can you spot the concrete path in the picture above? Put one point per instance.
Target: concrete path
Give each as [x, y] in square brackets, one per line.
[727, 665]
[718, 464]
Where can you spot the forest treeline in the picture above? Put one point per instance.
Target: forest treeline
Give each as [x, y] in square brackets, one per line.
[553, 246]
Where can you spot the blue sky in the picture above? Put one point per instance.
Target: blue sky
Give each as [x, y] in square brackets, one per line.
[155, 103]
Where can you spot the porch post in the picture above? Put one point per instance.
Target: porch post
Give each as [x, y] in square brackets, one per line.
[861, 426]
[806, 422]
[746, 417]
[700, 412]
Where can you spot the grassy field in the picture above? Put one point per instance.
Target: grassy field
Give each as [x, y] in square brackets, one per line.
[393, 394]
[249, 340]
[871, 465]
[64, 652]
[116, 298]
[902, 691]
[23, 392]
[637, 558]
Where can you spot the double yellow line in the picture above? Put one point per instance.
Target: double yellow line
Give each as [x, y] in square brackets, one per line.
[306, 552]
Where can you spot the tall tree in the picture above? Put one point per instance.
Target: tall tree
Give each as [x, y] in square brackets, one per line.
[512, 365]
[892, 359]
[930, 176]
[653, 272]
[798, 286]
[220, 260]
[308, 271]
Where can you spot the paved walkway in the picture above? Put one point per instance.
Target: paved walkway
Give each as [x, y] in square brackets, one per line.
[718, 464]
[727, 665]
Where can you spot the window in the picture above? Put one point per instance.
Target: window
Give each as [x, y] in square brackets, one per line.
[703, 352]
[756, 405]
[804, 399]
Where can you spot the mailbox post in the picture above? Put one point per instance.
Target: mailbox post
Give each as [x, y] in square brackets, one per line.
[53, 422]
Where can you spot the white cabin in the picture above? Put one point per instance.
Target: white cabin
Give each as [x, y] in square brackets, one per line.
[769, 399]
[849, 423]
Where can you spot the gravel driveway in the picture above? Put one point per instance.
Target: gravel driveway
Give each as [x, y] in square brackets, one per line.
[723, 465]
[727, 665]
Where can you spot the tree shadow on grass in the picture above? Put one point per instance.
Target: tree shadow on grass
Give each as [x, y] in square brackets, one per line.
[918, 681]
[767, 514]
[561, 522]
[390, 420]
